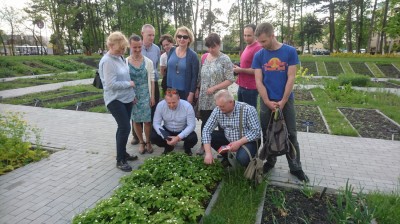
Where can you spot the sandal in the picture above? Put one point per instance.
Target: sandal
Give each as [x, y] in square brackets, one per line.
[149, 148]
[142, 147]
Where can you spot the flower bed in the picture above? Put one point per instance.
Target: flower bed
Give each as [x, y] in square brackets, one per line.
[361, 68]
[312, 68]
[333, 68]
[389, 70]
[307, 114]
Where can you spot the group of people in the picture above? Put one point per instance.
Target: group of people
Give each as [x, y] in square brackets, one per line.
[267, 68]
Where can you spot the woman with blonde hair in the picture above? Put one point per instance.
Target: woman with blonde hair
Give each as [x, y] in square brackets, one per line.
[183, 65]
[118, 93]
[141, 71]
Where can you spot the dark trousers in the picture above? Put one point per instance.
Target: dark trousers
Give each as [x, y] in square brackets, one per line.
[218, 139]
[249, 96]
[122, 114]
[156, 98]
[289, 114]
[188, 142]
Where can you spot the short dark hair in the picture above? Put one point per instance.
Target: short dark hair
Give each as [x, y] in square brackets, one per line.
[265, 28]
[252, 26]
[134, 37]
[212, 40]
[166, 37]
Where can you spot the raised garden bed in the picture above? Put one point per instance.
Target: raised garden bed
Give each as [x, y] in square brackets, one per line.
[303, 95]
[361, 68]
[311, 66]
[333, 68]
[389, 70]
[61, 99]
[309, 115]
[89, 61]
[371, 124]
[85, 106]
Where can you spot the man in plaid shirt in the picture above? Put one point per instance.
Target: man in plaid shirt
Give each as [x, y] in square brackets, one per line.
[227, 116]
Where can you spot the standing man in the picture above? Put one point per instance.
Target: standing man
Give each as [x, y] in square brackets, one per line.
[247, 91]
[174, 121]
[227, 116]
[275, 71]
[151, 51]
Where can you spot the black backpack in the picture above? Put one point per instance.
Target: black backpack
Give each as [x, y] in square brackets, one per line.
[277, 141]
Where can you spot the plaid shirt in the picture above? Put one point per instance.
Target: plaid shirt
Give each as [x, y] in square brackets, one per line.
[230, 124]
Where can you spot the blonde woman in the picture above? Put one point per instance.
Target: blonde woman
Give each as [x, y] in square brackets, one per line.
[141, 72]
[118, 93]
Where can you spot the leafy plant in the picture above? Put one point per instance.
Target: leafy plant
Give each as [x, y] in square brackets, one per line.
[15, 148]
[308, 189]
[353, 79]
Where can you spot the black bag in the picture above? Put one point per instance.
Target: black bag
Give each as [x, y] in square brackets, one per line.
[277, 141]
[97, 81]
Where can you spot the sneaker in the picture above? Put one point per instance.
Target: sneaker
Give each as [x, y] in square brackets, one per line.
[300, 175]
[131, 157]
[124, 166]
[267, 167]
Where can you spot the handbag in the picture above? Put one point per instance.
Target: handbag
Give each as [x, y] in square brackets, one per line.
[97, 81]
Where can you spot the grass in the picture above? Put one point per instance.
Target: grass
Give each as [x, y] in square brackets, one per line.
[346, 67]
[386, 205]
[238, 200]
[397, 82]
[375, 70]
[321, 68]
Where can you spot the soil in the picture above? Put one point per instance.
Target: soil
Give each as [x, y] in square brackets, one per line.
[297, 207]
[62, 99]
[302, 95]
[333, 68]
[312, 67]
[361, 68]
[85, 106]
[309, 115]
[89, 61]
[389, 70]
[371, 124]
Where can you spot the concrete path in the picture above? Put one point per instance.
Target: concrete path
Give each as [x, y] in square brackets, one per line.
[82, 170]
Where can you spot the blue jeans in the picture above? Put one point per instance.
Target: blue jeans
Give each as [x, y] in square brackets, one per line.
[218, 139]
[249, 96]
[289, 114]
[122, 115]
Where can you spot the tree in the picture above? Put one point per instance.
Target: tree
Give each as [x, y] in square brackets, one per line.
[393, 24]
[2, 42]
[371, 27]
[312, 30]
[13, 18]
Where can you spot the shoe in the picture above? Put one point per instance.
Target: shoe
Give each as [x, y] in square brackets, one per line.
[134, 141]
[142, 148]
[225, 163]
[124, 166]
[188, 152]
[167, 150]
[267, 167]
[300, 175]
[200, 151]
[130, 157]
[149, 147]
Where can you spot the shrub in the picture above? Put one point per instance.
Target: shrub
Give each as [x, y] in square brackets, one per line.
[353, 79]
[15, 148]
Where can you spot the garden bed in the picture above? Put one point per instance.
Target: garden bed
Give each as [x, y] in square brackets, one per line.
[61, 99]
[371, 124]
[303, 95]
[311, 66]
[333, 68]
[389, 70]
[86, 106]
[361, 68]
[309, 115]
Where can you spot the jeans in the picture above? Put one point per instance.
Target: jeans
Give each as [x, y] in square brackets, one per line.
[122, 114]
[218, 139]
[289, 114]
[188, 142]
[249, 96]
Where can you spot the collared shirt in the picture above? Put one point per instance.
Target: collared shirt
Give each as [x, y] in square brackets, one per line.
[181, 119]
[154, 53]
[230, 123]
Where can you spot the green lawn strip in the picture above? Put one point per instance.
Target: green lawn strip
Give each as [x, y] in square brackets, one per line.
[60, 105]
[237, 202]
[321, 68]
[99, 109]
[386, 206]
[346, 67]
[351, 59]
[394, 81]
[336, 122]
[375, 70]
[396, 64]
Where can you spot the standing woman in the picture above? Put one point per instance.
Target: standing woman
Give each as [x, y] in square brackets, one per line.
[118, 93]
[183, 65]
[216, 74]
[167, 42]
[141, 72]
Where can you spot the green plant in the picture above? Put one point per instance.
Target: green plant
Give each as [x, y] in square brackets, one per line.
[308, 190]
[350, 207]
[15, 148]
[353, 79]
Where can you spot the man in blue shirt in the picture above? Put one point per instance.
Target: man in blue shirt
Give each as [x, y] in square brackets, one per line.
[227, 116]
[179, 122]
[275, 72]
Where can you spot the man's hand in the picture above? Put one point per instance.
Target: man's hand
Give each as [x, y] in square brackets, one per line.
[235, 146]
[208, 158]
[282, 103]
[271, 105]
[173, 140]
[190, 97]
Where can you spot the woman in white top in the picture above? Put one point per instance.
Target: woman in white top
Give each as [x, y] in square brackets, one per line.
[167, 42]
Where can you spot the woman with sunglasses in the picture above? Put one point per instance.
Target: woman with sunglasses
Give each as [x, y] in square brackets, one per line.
[216, 74]
[141, 71]
[183, 65]
[118, 93]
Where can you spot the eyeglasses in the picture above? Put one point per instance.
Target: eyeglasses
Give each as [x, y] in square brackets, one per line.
[171, 91]
[182, 36]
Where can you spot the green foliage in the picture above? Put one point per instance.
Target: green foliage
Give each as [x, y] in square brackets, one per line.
[238, 200]
[344, 94]
[350, 208]
[63, 65]
[15, 148]
[167, 189]
[353, 79]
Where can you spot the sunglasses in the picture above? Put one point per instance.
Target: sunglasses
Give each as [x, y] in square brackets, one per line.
[170, 91]
[182, 36]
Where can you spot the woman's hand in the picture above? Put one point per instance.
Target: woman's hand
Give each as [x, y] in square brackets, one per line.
[152, 101]
[210, 90]
[132, 83]
[197, 93]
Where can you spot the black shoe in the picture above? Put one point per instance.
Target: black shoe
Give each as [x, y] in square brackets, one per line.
[225, 163]
[189, 152]
[124, 166]
[167, 150]
[131, 157]
[267, 167]
[300, 175]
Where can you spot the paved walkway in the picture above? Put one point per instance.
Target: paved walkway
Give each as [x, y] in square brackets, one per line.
[82, 170]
